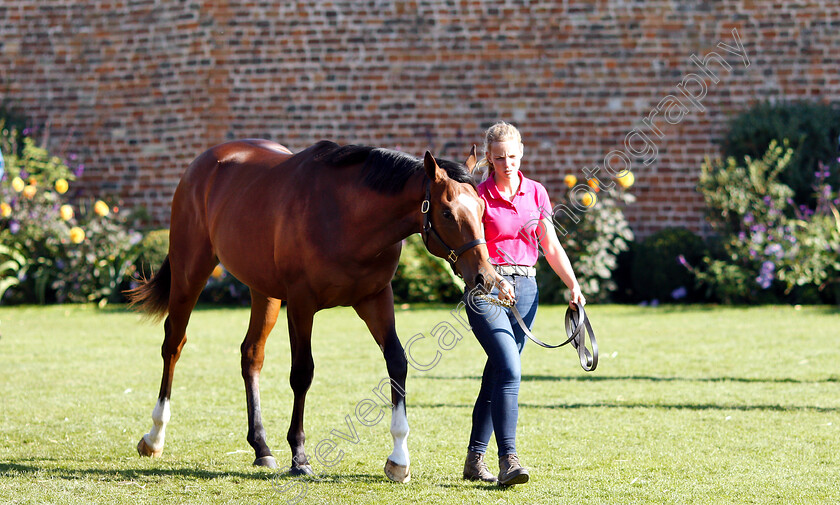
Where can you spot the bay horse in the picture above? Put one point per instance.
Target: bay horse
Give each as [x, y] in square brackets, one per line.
[318, 229]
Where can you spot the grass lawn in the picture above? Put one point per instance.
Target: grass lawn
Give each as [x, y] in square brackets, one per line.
[688, 405]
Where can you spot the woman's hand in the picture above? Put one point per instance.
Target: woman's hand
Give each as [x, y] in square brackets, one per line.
[506, 292]
[577, 297]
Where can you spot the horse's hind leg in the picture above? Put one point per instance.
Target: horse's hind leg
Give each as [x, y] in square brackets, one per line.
[191, 266]
[300, 337]
[264, 312]
[378, 313]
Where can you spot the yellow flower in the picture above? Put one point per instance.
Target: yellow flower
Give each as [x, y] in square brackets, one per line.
[218, 272]
[5, 209]
[626, 179]
[101, 208]
[570, 180]
[593, 183]
[588, 199]
[66, 212]
[29, 191]
[18, 184]
[61, 186]
[77, 235]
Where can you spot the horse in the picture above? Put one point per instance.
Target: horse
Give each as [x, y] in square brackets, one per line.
[320, 228]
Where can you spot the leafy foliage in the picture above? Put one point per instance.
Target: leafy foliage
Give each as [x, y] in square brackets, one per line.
[593, 244]
[657, 269]
[812, 130]
[57, 248]
[769, 245]
[422, 277]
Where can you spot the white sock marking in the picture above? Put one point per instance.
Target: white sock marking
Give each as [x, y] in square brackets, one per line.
[160, 416]
[399, 432]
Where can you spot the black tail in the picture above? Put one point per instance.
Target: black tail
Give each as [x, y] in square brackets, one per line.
[152, 295]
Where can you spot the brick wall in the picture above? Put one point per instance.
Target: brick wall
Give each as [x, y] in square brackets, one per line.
[139, 87]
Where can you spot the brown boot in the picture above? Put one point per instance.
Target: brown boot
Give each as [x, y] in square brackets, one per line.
[510, 471]
[476, 469]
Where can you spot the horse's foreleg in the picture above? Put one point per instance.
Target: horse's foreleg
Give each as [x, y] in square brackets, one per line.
[300, 378]
[263, 316]
[378, 313]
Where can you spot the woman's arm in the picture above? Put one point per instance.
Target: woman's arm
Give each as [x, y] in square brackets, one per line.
[559, 260]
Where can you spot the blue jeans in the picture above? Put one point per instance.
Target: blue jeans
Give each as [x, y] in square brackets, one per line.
[497, 406]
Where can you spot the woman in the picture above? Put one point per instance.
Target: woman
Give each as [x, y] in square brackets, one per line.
[516, 219]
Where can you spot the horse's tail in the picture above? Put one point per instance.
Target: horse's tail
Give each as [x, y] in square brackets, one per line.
[152, 295]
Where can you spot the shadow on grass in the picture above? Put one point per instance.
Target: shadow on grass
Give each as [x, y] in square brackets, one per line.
[650, 378]
[665, 406]
[31, 467]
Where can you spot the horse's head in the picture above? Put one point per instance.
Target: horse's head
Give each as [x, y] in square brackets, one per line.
[452, 222]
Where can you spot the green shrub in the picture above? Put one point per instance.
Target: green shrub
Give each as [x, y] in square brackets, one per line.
[811, 128]
[422, 277]
[56, 249]
[770, 247]
[152, 251]
[658, 271]
[592, 244]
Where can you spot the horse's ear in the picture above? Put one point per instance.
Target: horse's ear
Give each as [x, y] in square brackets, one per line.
[471, 160]
[435, 173]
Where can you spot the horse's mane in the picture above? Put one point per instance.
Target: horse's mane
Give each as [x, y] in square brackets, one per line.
[384, 170]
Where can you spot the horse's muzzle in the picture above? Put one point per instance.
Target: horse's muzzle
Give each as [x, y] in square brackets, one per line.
[479, 284]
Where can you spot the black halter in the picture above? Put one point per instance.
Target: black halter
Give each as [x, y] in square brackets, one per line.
[428, 231]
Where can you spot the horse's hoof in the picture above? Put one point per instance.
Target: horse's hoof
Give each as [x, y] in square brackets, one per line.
[143, 449]
[301, 470]
[397, 473]
[266, 461]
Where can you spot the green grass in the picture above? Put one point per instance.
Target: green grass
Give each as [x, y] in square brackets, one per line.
[688, 405]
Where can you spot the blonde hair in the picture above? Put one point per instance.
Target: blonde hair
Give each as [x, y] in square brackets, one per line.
[501, 132]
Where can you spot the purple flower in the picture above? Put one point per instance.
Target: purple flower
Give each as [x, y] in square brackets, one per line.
[679, 293]
[79, 170]
[14, 226]
[765, 274]
[774, 250]
[682, 261]
[748, 218]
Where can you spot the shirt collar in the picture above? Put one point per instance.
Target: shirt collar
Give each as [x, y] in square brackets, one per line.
[493, 191]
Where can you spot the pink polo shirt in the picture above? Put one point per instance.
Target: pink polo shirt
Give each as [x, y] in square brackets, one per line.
[510, 227]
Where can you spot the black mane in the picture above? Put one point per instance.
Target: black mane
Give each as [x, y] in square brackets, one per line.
[384, 170]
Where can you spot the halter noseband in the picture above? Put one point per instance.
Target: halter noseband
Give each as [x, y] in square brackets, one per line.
[428, 230]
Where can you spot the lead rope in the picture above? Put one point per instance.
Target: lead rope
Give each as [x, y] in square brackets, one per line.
[577, 328]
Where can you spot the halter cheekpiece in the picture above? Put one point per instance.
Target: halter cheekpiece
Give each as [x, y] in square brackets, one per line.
[428, 230]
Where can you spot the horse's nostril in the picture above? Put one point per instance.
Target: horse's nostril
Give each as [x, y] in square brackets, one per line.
[479, 281]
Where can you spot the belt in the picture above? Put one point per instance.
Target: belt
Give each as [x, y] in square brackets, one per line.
[520, 270]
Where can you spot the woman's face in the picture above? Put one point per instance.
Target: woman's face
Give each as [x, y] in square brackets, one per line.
[505, 157]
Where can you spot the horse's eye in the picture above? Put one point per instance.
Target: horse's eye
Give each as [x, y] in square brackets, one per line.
[447, 214]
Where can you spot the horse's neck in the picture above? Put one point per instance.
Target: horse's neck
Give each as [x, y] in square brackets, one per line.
[409, 219]
[398, 217]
